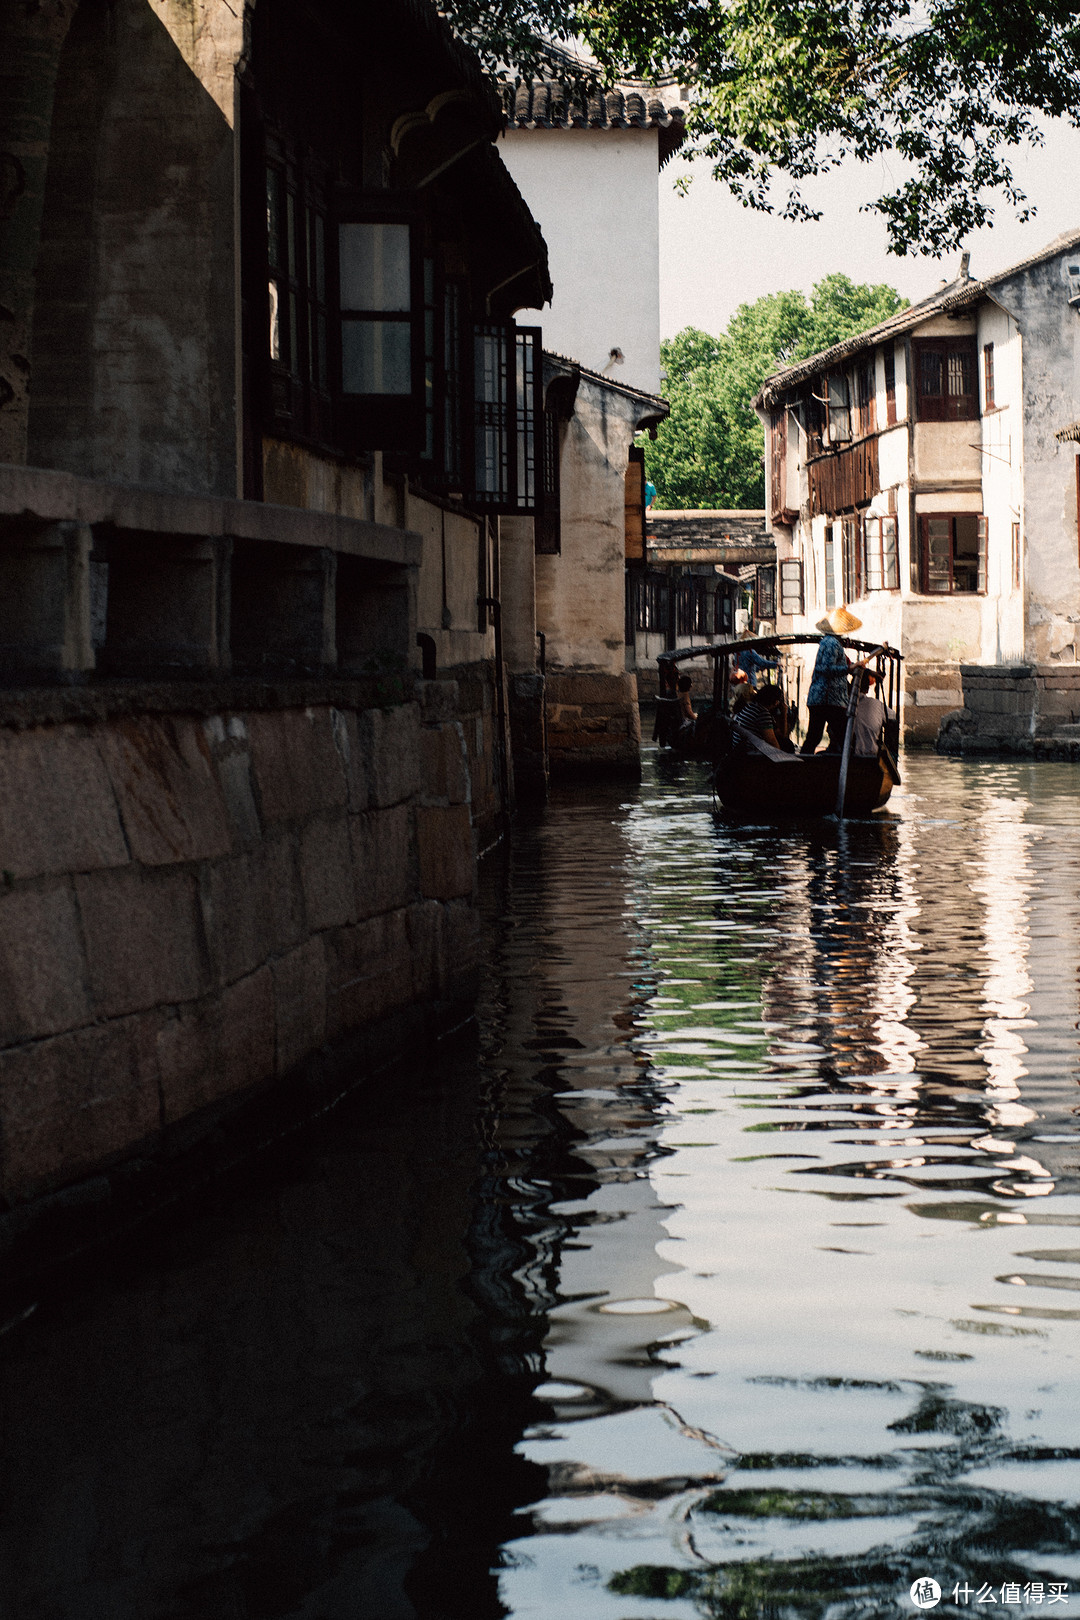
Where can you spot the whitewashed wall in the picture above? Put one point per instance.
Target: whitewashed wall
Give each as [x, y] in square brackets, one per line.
[595, 195]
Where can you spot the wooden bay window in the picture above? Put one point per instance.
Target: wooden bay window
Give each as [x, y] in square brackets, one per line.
[945, 385]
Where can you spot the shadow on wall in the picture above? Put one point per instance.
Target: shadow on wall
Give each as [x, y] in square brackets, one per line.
[134, 321]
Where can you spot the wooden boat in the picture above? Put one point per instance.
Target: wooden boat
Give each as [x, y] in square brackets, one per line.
[752, 784]
[752, 779]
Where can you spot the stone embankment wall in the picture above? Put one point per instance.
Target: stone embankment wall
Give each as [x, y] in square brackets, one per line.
[593, 725]
[931, 691]
[200, 886]
[1028, 710]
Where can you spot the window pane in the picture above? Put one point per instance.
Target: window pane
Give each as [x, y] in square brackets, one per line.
[890, 555]
[929, 373]
[966, 552]
[275, 322]
[320, 258]
[376, 357]
[273, 217]
[873, 554]
[375, 267]
[492, 367]
[959, 372]
[830, 570]
[939, 554]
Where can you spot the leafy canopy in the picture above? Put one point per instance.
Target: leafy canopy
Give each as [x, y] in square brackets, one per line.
[786, 89]
[708, 453]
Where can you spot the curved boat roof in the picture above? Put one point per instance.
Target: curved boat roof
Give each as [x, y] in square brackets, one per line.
[769, 643]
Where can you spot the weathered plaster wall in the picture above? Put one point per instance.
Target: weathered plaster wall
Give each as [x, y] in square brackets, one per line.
[594, 194]
[581, 594]
[194, 902]
[1038, 299]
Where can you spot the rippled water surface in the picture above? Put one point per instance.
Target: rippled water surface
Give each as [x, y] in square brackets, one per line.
[735, 1272]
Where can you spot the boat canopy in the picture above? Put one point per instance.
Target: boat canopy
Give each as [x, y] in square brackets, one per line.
[717, 649]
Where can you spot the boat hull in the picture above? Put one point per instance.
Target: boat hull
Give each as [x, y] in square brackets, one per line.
[750, 784]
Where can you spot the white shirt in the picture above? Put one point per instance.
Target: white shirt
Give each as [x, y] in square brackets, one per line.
[869, 719]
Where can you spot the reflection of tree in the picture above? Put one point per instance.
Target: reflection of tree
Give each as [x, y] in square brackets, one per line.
[963, 1534]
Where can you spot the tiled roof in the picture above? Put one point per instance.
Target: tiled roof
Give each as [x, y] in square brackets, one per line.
[559, 104]
[1069, 434]
[730, 529]
[661, 405]
[949, 299]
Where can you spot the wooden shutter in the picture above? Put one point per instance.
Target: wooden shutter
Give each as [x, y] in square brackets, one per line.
[634, 506]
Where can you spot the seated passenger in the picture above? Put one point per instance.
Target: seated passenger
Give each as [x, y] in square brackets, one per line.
[765, 716]
[684, 737]
[869, 719]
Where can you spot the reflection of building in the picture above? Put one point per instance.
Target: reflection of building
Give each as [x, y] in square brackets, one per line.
[688, 581]
[914, 470]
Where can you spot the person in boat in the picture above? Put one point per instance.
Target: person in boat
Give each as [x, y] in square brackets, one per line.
[750, 663]
[869, 719]
[687, 713]
[826, 701]
[765, 716]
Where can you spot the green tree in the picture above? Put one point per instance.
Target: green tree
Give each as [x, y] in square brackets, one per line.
[786, 89]
[708, 453]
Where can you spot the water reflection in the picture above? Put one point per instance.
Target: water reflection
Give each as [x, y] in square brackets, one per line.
[863, 1041]
[735, 1272]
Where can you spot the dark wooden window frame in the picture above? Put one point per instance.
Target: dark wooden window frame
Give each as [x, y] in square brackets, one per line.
[851, 556]
[982, 553]
[938, 361]
[830, 565]
[989, 402]
[383, 421]
[765, 592]
[865, 412]
[890, 386]
[296, 250]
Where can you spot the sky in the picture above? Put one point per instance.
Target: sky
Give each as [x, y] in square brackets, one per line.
[715, 254]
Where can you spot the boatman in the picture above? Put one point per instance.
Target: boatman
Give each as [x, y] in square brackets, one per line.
[827, 698]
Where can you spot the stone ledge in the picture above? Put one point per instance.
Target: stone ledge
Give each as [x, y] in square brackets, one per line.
[41, 494]
[24, 707]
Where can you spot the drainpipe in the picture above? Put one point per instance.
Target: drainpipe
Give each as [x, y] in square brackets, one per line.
[495, 606]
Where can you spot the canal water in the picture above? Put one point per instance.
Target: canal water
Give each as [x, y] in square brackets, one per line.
[732, 1268]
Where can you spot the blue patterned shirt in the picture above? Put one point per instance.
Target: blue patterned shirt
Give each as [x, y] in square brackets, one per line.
[829, 685]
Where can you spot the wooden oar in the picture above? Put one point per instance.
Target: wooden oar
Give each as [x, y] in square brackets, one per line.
[849, 728]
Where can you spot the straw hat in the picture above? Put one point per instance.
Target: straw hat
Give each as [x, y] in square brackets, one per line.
[841, 622]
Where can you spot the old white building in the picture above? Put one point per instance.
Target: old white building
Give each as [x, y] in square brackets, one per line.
[915, 473]
[587, 166]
